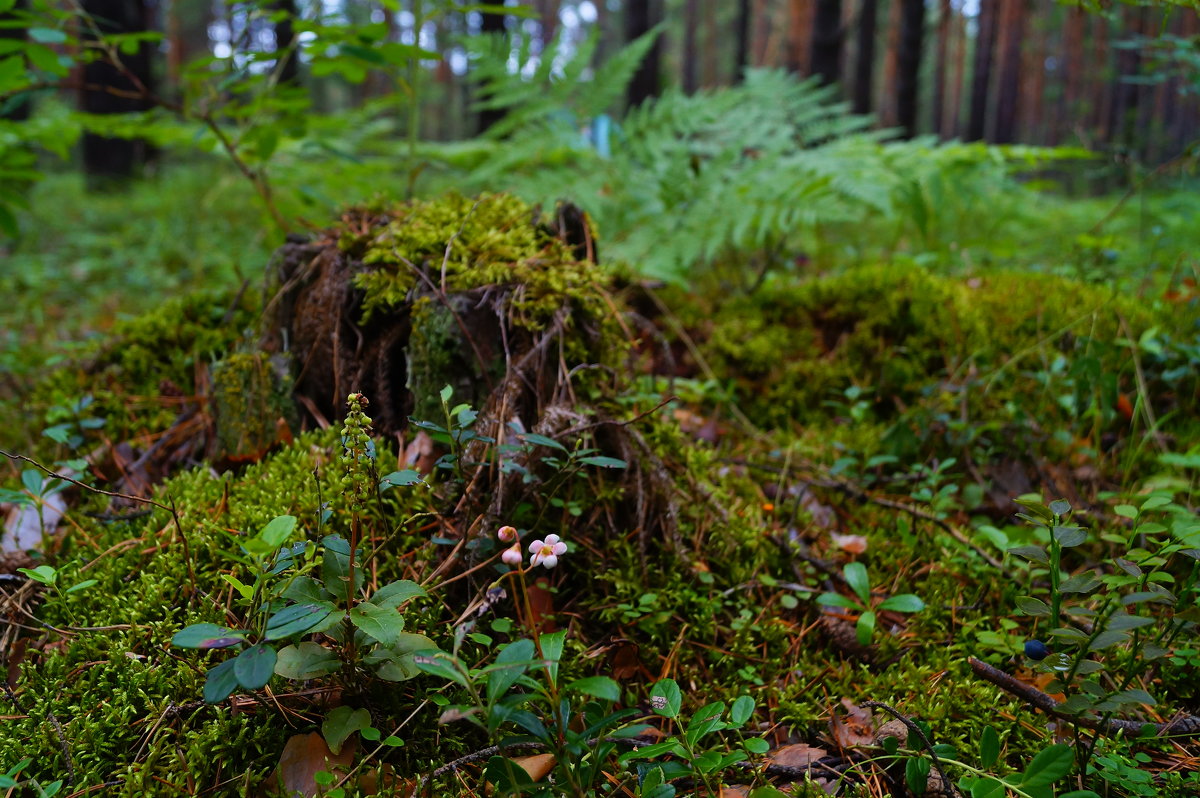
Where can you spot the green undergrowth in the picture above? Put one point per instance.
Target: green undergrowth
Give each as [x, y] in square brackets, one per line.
[936, 364]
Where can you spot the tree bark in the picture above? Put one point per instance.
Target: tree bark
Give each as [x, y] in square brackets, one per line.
[1072, 76]
[548, 16]
[939, 112]
[109, 162]
[864, 59]
[491, 24]
[285, 40]
[690, 65]
[985, 43]
[908, 63]
[1123, 110]
[827, 41]
[640, 18]
[800, 24]
[745, 22]
[1008, 89]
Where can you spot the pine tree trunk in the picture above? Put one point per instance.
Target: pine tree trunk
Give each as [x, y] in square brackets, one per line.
[800, 26]
[864, 58]
[491, 24]
[691, 18]
[285, 39]
[548, 15]
[1008, 89]
[640, 17]
[109, 162]
[939, 111]
[745, 22]
[908, 63]
[960, 70]
[1068, 108]
[827, 40]
[985, 43]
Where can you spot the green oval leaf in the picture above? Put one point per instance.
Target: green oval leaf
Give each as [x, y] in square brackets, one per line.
[341, 723]
[601, 687]
[255, 666]
[1048, 766]
[207, 635]
[510, 663]
[381, 623]
[220, 682]
[859, 580]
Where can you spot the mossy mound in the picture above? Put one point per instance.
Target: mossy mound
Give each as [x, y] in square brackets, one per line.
[919, 352]
[397, 302]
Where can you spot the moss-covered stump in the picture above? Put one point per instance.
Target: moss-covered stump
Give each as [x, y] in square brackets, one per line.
[477, 294]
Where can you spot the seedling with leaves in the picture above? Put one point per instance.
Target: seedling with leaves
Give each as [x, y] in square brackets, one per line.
[862, 602]
[1108, 624]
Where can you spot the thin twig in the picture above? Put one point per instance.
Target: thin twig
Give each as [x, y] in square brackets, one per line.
[1184, 725]
[58, 730]
[912, 727]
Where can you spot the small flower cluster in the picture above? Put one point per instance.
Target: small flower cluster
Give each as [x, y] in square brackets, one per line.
[356, 446]
[542, 552]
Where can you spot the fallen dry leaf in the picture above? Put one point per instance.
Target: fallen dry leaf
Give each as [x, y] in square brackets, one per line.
[735, 791]
[855, 729]
[303, 757]
[800, 755]
[538, 766]
[855, 544]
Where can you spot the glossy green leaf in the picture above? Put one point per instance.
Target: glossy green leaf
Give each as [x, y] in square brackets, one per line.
[864, 629]
[297, 619]
[207, 635]
[380, 623]
[1048, 766]
[394, 594]
[665, 698]
[306, 660]
[989, 747]
[255, 666]
[905, 602]
[601, 687]
[509, 665]
[859, 581]
[220, 682]
[342, 722]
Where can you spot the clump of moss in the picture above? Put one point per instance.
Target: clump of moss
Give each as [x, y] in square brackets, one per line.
[465, 244]
[250, 399]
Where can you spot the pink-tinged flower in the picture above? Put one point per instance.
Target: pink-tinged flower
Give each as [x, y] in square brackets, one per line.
[546, 552]
[507, 534]
[512, 555]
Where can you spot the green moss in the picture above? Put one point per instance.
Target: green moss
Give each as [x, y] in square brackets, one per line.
[249, 397]
[466, 244]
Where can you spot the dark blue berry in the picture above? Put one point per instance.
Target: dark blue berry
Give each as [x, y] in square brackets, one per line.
[1036, 649]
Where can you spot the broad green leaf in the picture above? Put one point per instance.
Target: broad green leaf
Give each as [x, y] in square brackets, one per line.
[864, 629]
[306, 660]
[552, 648]
[393, 594]
[988, 787]
[220, 682]
[542, 440]
[1126, 511]
[400, 478]
[859, 581]
[510, 664]
[47, 35]
[297, 619]
[397, 663]
[1032, 606]
[706, 719]
[1048, 766]
[255, 666]
[44, 574]
[1059, 507]
[989, 747]
[916, 774]
[905, 602]
[1069, 536]
[836, 600]
[32, 480]
[381, 623]
[341, 723]
[1134, 696]
[1033, 553]
[665, 698]
[1106, 639]
[335, 568]
[741, 710]
[439, 663]
[278, 530]
[306, 590]
[603, 462]
[601, 687]
[244, 590]
[207, 635]
[1119, 622]
[84, 585]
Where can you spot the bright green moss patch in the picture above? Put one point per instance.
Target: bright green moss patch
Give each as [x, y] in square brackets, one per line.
[470, 243]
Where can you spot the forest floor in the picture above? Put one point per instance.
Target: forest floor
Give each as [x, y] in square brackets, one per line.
[428, 493]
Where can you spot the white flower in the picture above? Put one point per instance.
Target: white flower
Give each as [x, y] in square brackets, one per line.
[546, 552]
[507, 534]
[512, 555]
